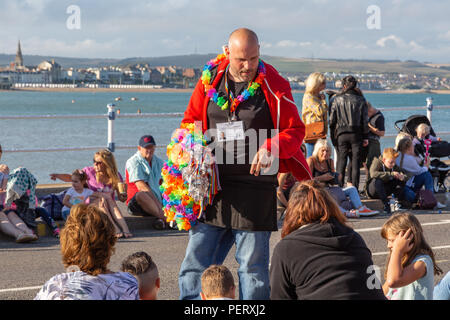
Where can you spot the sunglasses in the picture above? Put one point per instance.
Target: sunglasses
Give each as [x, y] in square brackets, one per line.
[97, 163]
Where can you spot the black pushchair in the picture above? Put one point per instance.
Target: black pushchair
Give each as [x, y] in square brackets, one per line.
[438, 149]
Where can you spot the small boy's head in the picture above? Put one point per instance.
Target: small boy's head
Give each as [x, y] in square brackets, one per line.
[422, 130]
[141, 265]
[389, 157]
[217, 282]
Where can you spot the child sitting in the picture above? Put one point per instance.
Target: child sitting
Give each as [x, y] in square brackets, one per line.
[77, 194]
[142, 267]
[423, 140]
[217, 284]
[411, 266]
[423, 133]
[385, 178]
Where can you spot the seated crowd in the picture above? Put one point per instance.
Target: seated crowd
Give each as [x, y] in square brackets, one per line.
[314, 228]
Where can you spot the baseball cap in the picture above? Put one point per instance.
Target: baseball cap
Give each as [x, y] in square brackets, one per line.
[146, 141]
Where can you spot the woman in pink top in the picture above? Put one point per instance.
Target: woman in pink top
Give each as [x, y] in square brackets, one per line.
[103, 179]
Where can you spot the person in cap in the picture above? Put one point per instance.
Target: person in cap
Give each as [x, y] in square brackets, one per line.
[143, 176]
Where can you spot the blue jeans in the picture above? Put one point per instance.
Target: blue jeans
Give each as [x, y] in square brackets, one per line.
[423, 179]
[43, 213]
[309, 149]
[442, 289]
[353, 195]
[65, 214]
[210, 245]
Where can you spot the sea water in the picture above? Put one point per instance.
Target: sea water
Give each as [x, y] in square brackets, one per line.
[25, 134]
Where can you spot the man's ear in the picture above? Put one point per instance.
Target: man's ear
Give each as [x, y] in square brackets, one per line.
[158, 283]
[226, 50]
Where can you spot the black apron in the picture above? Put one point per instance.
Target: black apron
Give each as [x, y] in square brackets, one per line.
[246, 202]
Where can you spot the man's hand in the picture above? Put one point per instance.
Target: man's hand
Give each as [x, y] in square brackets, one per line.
[262, 159]
[365, 143]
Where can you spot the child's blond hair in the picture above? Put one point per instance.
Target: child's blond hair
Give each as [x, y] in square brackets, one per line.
[424, 128]
[402, 222]
[401, 136]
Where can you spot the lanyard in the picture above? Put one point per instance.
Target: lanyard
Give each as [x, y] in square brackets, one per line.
[230, 97]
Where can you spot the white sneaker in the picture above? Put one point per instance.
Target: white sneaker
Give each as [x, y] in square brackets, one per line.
[440, 205]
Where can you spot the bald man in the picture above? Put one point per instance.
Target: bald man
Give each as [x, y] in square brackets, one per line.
[255, 132]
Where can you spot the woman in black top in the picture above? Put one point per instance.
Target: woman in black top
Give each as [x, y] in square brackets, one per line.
[319, 257]
[349, 128]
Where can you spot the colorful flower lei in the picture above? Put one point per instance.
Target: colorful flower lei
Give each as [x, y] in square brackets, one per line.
[189, 183]
[222, 102]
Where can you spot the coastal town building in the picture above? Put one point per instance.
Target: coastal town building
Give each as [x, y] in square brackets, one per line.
[172, 76]
[18, 62]
[53, 70]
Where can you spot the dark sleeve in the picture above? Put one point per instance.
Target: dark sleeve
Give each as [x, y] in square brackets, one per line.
[376, 172]
[280, 286]
[332, 120]
[379, 123]
[365, 120]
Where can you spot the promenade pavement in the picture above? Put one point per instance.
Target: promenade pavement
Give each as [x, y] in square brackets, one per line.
[26, 267]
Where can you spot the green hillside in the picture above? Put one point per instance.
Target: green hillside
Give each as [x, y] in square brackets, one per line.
[355, 66]
[284, 65]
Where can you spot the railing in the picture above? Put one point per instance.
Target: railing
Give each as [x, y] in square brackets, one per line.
[112, 115]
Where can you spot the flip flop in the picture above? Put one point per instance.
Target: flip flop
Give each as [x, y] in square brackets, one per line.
[26, 238]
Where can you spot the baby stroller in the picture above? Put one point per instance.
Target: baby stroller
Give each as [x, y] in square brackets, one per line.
[438, 149]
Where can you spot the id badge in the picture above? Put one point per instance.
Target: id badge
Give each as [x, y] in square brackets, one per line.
[230, 131]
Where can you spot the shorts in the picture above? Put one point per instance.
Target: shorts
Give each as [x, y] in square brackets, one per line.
[135, 209]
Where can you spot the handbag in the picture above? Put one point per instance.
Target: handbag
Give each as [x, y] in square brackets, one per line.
[315, 130]
[339, 195]
[426, 200]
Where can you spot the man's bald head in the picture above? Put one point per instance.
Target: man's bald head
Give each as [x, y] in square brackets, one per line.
[243, 53]
[243, 36]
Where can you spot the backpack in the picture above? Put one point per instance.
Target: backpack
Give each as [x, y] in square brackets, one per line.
[53, 204]
[426, 200]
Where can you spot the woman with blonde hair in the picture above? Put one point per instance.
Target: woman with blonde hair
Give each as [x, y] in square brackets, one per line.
[314, 109]
[319, 257]
[87, 244]
[103, 178]
[322, 169]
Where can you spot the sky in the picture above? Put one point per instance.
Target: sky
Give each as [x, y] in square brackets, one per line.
[348, 29]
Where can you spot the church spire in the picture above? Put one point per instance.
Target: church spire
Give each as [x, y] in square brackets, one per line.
[19, 57]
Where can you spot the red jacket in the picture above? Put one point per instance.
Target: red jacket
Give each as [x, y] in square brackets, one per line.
[286, 144]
